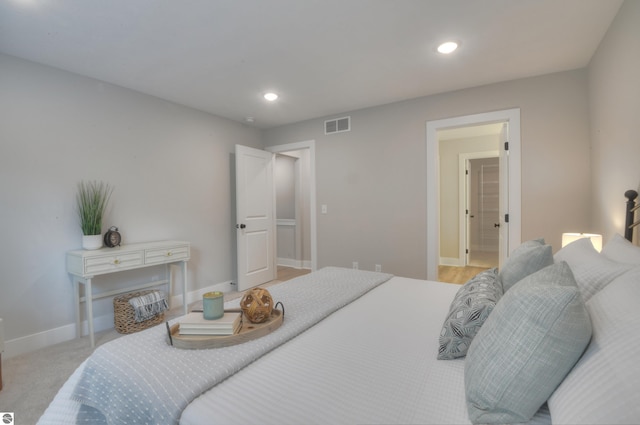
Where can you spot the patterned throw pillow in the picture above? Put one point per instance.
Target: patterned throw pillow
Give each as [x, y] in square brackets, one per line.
[469, 309]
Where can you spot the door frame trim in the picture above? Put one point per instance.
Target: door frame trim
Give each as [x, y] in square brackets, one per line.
[311, 145]
[433, 180]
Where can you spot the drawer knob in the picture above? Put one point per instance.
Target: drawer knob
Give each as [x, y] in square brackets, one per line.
[116, 261]
[169, 254]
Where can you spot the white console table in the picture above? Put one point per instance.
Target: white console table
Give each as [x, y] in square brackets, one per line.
[84, 265]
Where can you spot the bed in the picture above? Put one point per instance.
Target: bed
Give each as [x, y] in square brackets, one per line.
[546, 339]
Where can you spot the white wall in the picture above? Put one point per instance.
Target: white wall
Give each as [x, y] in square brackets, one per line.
[614, 104]
[373, 179]
[285, 182]
[170, 167]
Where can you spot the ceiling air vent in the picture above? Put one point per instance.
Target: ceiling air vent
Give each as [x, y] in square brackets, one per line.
[338, 125]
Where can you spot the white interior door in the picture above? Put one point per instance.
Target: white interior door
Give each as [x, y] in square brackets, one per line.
[503, 200]
[483, 242]
[479, 197]
[255, 217]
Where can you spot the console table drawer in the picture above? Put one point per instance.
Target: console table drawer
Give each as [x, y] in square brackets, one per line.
[166, 255]
[108, 264]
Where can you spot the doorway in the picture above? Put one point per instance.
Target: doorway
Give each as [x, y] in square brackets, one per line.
[509, 214]
[292, 209]
[306, 192]
[459, 218]
[261, 256]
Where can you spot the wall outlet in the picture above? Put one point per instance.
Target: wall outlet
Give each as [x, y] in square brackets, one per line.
[378, 268]
[355, 265]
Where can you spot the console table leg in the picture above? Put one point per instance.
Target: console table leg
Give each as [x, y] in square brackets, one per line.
[89, 301]
[76, 290]
[184, 287]
[169, 275]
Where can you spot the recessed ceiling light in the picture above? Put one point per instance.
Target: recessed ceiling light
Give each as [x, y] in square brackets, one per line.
[270, 96]
[447, 47]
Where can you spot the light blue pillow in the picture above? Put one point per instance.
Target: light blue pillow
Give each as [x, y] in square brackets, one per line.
[534, 336]
[528, 258]
[468, 311]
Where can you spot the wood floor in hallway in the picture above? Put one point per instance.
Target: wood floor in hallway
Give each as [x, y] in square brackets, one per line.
[449, 274]
[286, 273]
[455, 274]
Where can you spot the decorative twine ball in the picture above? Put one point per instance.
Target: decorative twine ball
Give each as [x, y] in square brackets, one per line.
[257, 305]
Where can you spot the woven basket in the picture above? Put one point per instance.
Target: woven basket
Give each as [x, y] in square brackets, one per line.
[124, 315]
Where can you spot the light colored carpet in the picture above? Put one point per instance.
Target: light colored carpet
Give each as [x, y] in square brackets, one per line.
[32, 380]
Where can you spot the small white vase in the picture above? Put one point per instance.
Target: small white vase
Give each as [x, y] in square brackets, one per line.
[91, 242]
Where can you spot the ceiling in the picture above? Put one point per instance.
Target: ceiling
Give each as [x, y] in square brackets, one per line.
[323, 57]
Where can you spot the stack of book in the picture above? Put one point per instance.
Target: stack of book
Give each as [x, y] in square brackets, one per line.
[195, 324]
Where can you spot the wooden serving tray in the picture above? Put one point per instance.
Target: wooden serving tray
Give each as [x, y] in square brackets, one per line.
[247, 332]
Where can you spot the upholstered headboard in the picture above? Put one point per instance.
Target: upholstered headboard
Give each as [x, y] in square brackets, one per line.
[632, 220]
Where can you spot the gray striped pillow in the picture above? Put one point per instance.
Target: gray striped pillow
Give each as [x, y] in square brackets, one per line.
[528, 258]
[534, 336]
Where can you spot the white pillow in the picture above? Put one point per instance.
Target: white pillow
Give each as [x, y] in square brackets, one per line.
[592, 270]
[621, 250]
[604, 385]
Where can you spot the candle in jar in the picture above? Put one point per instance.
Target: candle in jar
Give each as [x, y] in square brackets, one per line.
[213, 305]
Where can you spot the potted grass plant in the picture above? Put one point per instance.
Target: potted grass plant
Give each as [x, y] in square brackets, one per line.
[92, 199]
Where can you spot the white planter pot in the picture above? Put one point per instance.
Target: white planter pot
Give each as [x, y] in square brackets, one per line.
[91, 242]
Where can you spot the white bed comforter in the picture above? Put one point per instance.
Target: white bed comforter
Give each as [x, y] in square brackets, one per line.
[140, 379]
[372, 362]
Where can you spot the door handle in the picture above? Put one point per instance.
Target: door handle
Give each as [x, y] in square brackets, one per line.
[241, 226]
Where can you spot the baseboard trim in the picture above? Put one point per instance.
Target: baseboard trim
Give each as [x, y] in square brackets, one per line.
[28, 343]
[451, 261]
[296, 264]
